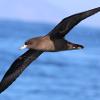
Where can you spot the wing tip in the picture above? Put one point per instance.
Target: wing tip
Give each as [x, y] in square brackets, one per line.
[1, 88]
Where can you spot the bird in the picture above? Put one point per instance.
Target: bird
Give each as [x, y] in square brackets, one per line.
[53, 41]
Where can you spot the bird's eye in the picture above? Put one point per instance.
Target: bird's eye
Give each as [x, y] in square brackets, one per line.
[28, 43]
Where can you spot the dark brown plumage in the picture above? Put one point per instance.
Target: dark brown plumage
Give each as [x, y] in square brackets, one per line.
[53, 41]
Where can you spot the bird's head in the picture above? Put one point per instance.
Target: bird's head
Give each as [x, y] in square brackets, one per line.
[28, 44]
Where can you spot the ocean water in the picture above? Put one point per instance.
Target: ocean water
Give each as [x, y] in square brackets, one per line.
[67, 75]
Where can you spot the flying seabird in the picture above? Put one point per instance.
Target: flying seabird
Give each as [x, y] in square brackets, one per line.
[52, 42]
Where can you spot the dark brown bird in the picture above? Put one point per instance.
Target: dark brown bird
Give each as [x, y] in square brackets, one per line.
[52, 42]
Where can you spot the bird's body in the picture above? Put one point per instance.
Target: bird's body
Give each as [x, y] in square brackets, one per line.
[52, 42]
[45, 43]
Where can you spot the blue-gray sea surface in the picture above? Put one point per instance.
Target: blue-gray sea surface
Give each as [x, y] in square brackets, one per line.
[67, 75]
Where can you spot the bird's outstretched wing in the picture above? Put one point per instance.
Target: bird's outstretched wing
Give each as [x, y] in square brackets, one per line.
[17, 68]
[69, 22]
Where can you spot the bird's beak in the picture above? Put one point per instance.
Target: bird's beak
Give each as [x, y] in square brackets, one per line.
[23, 47]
